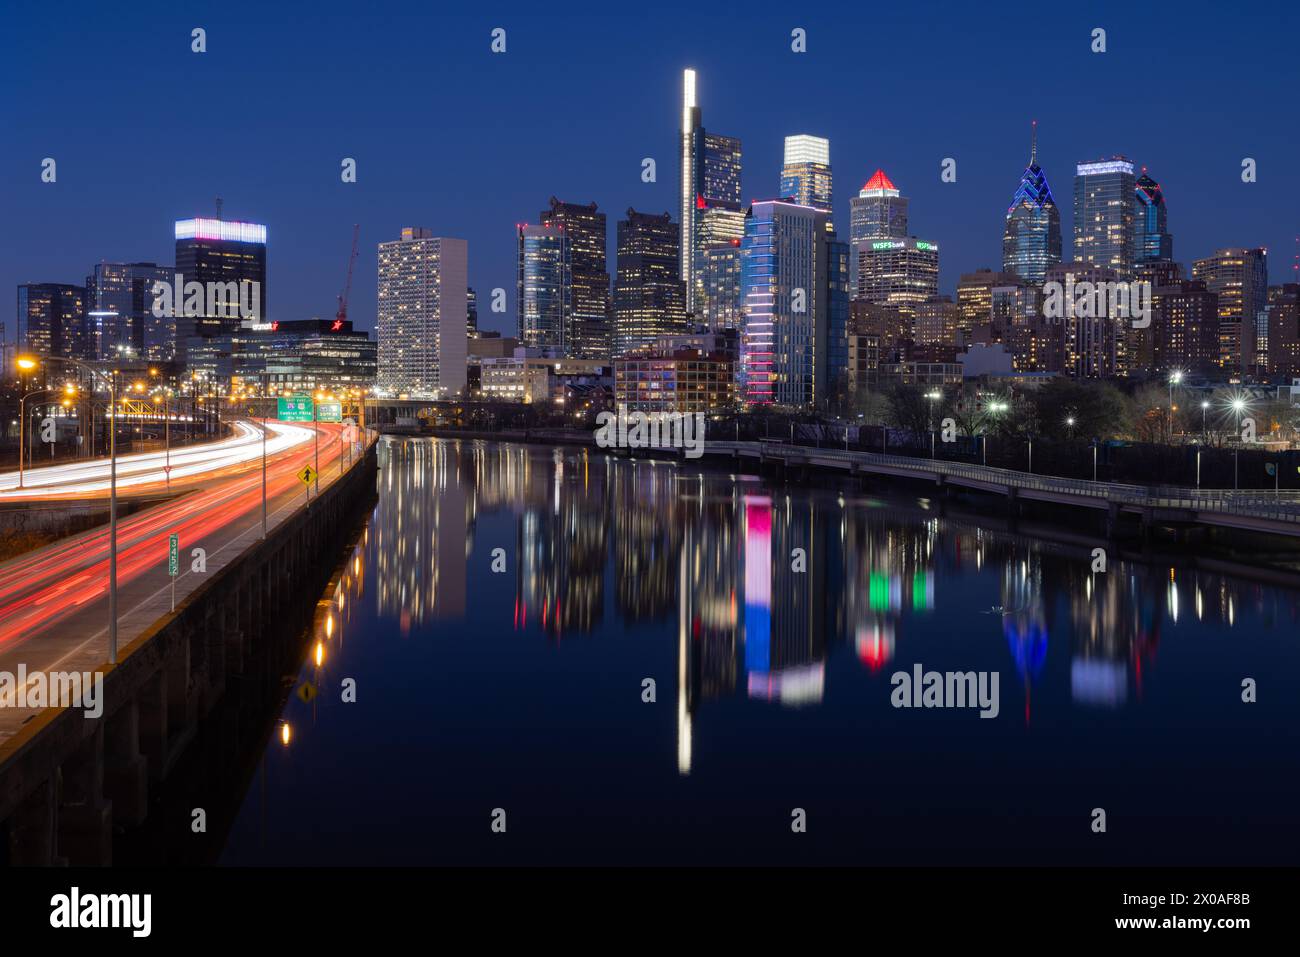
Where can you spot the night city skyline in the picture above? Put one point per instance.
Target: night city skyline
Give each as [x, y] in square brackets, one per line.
[507, 159]
[448, 451]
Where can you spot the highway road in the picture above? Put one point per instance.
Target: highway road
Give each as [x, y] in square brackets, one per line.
[54, 601]
[149, 468]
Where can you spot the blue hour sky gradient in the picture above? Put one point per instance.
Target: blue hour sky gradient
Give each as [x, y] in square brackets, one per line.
[450, 136]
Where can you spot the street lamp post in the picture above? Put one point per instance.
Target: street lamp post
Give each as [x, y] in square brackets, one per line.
[22, 423]
[1175, 378]
[1238, 404]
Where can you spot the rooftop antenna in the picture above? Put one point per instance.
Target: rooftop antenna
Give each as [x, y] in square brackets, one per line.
[218, 207]
[1033, 143]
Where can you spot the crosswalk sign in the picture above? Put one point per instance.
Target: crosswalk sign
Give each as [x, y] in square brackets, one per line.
[306, 475]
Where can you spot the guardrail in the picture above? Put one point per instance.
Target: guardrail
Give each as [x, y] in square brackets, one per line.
[1280, 506]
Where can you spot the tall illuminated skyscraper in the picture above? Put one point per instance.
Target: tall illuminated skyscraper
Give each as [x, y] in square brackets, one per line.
[221, 252]
[1104, 213]
[52, 320]
[806, 173]
[587, 316]
[898, 272]
[422, 315]
[1152, 241]
[710, 200]
[879, 211]
[542, 288]
[795, 292]
[649, 300]
[1031, 240]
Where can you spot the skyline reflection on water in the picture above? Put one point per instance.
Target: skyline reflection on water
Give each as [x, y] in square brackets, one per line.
[522, 689]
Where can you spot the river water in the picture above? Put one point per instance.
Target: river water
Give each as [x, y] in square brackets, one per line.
[501, 616]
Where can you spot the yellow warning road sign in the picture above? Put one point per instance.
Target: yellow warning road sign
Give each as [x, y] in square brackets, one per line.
[306, 475]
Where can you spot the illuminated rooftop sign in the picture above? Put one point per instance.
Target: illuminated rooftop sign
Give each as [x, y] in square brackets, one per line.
[1108, 166]
[218, 229]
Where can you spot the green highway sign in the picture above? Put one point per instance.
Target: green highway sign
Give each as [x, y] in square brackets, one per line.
[173, 554]
[295, 408]
[329, 411]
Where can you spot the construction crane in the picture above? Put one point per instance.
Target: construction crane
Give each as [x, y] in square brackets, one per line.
[341, 316]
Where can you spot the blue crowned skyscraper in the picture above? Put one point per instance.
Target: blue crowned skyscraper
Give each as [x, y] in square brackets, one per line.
[1152, 241]
[1031, 242]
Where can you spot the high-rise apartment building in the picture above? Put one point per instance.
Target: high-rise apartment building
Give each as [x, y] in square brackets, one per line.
[975, 297]
[1092, 345]
[1284, 331]
[1185, 328]
[796, 304]
[1239, 277]
[1031, 239]
[649, 297]
[1104, 215]
[936, 322]
[52, 320]
[423, 286]
[710, 180]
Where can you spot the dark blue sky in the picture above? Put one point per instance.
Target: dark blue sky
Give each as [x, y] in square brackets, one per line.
[448, 135]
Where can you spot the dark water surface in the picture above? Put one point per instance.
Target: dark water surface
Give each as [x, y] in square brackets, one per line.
[521, 690]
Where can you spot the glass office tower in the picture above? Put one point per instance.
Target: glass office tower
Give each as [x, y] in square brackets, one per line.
[1031, 240]
[1152, 241]
[1104, 211]
[806, 173]
[710, 180]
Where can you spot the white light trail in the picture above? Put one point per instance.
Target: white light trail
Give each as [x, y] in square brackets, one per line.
[147, 467]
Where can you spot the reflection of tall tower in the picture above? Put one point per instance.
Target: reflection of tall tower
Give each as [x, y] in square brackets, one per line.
[647, 536]
[562, 544]
[758, 583]
[1024, 619]
[420, 529]
[1115, 618]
